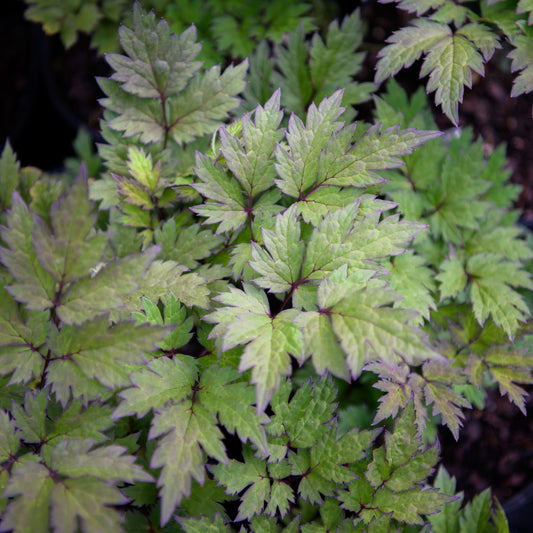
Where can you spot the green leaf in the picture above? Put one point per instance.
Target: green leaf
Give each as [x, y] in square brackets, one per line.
[450, 63]
[164, 277]
[76, 459]
[175, 315]
[452, 276]
[413, 280]
[35, 286]
[86, 499]
[522, 60]
[163, 380]
[246, 320]
[491, 293]
[407, 45]
[32, 483]
[306, 418]
[206, 102]
[476, 514]
[159, 63]
[233, 404]
[99, 292]
[187, 246]
[9, 175]
[76, 422]
[98, 352]
[281, 266]
[227, 205]
[161, 95]
[9, 437]
[31, 421]
[447, 521]
[185, 428]
[450, 57]
[21, 341]
[207, 525]
[67, 252]
[366, 328]
[236, 476]
[249, 159]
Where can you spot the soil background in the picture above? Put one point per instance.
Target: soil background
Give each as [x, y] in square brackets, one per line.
[47, 93]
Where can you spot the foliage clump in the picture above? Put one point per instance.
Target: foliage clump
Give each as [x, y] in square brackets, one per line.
[173, 361]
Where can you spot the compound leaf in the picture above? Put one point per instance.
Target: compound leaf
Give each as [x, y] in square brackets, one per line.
[185, 427]
[249, 159]
[491, 292]
[35, 287]
[97, 352]
[246, 320]
[233, 404]
[163, 380]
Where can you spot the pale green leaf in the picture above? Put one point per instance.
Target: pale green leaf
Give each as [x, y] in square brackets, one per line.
[35, 287]
[269, 340]
[450, 63]
[407, 45]
[9, 437]
[109, 463]
[76, 422]
[30, 484]
[21, 341]
[452, 276]
[87, 499]
[250, 158]
[164, 277]
[233, 404]
[178, 453]
[159, 63]
[163, 380]
[482, 36]
[100, 351]
[9, 175]
[106, 289]
[227, 204]
[280, 265]
[31, 420]
[491, 292]
[365, 326]
[522, 60]
[413, 280]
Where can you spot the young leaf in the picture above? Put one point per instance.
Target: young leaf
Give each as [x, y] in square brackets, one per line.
[249, 158]
[227, 205]
[281, 267]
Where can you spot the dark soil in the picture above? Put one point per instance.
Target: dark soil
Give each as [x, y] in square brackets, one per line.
[47, 93]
